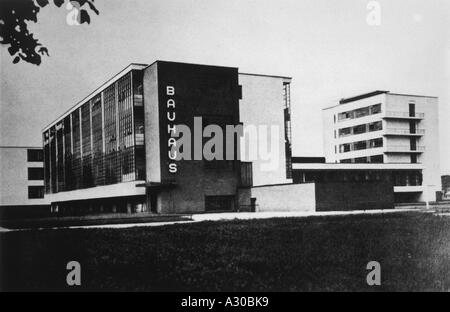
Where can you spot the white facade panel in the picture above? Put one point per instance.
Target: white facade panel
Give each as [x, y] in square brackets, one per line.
[261, 107]
[14, 177]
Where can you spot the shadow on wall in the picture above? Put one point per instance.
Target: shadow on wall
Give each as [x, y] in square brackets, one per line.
[354, 196]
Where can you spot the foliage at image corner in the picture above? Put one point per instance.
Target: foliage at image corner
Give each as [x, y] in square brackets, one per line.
[14, 34]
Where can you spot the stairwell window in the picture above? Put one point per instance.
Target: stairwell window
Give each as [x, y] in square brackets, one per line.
[35, 191]
[35, 155]
[35, 174]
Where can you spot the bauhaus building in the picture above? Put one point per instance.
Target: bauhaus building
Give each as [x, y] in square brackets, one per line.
[111, 152]
[381, 136]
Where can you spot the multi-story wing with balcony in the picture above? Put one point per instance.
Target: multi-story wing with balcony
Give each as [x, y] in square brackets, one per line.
[384, 127]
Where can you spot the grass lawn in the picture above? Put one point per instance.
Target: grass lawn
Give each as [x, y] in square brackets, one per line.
[287, 254]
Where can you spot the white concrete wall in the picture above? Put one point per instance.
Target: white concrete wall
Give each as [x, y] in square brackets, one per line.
[287, 197]
[262, 105]
[151, 124]
[329, 126]
[328, 135]
[14, 177]
[430, 158]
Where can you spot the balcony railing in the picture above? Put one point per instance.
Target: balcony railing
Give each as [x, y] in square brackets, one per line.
[392, 114]
[404, 148]
[397, 131]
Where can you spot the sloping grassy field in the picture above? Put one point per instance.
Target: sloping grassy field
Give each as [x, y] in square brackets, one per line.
[287, 254]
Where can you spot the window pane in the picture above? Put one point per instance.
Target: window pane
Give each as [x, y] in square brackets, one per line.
[361, 160]
[35, 155]
[359, 129]
[35, 192]
[375, 109]
[345, 131]
[362, 112]
[376, 143]
[35, 173]
[376, 159]
[359, 145]
[343, 148]
[376, 126]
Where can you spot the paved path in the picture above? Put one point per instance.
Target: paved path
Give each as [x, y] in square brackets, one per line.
[230, 216]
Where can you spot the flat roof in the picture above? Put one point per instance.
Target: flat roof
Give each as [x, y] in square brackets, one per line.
[414, 95]
[361, 96]
[353, 166]
[371, 94]
[263, 75]
[136, 66]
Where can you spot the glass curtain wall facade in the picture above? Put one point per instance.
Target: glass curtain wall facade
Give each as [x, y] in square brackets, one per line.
[101, 142]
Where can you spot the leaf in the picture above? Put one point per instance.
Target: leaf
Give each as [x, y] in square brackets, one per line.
[16, 60]
[13, 50]
[84, 17]
[93, 8]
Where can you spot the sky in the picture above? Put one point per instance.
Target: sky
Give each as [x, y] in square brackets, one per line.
[327, 47]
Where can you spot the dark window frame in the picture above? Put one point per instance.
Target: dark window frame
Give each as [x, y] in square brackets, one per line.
[35, 155]
[35, 191]
[35, 174]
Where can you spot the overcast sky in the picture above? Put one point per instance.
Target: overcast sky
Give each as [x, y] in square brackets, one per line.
[326, 46]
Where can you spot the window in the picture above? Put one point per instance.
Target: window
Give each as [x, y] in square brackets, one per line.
[378, 159]
[343, 148]
[412, 110]
[35, 191]
[359, 129]
[360, 160]
[375, 126]
[359, 145]
[35, 155]
[345, 131]
[345, 161]
[139, 90]
[345, 115]
[376, 143]
[375, 109]
[416, 179]
[361, 112]
[35, 173]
